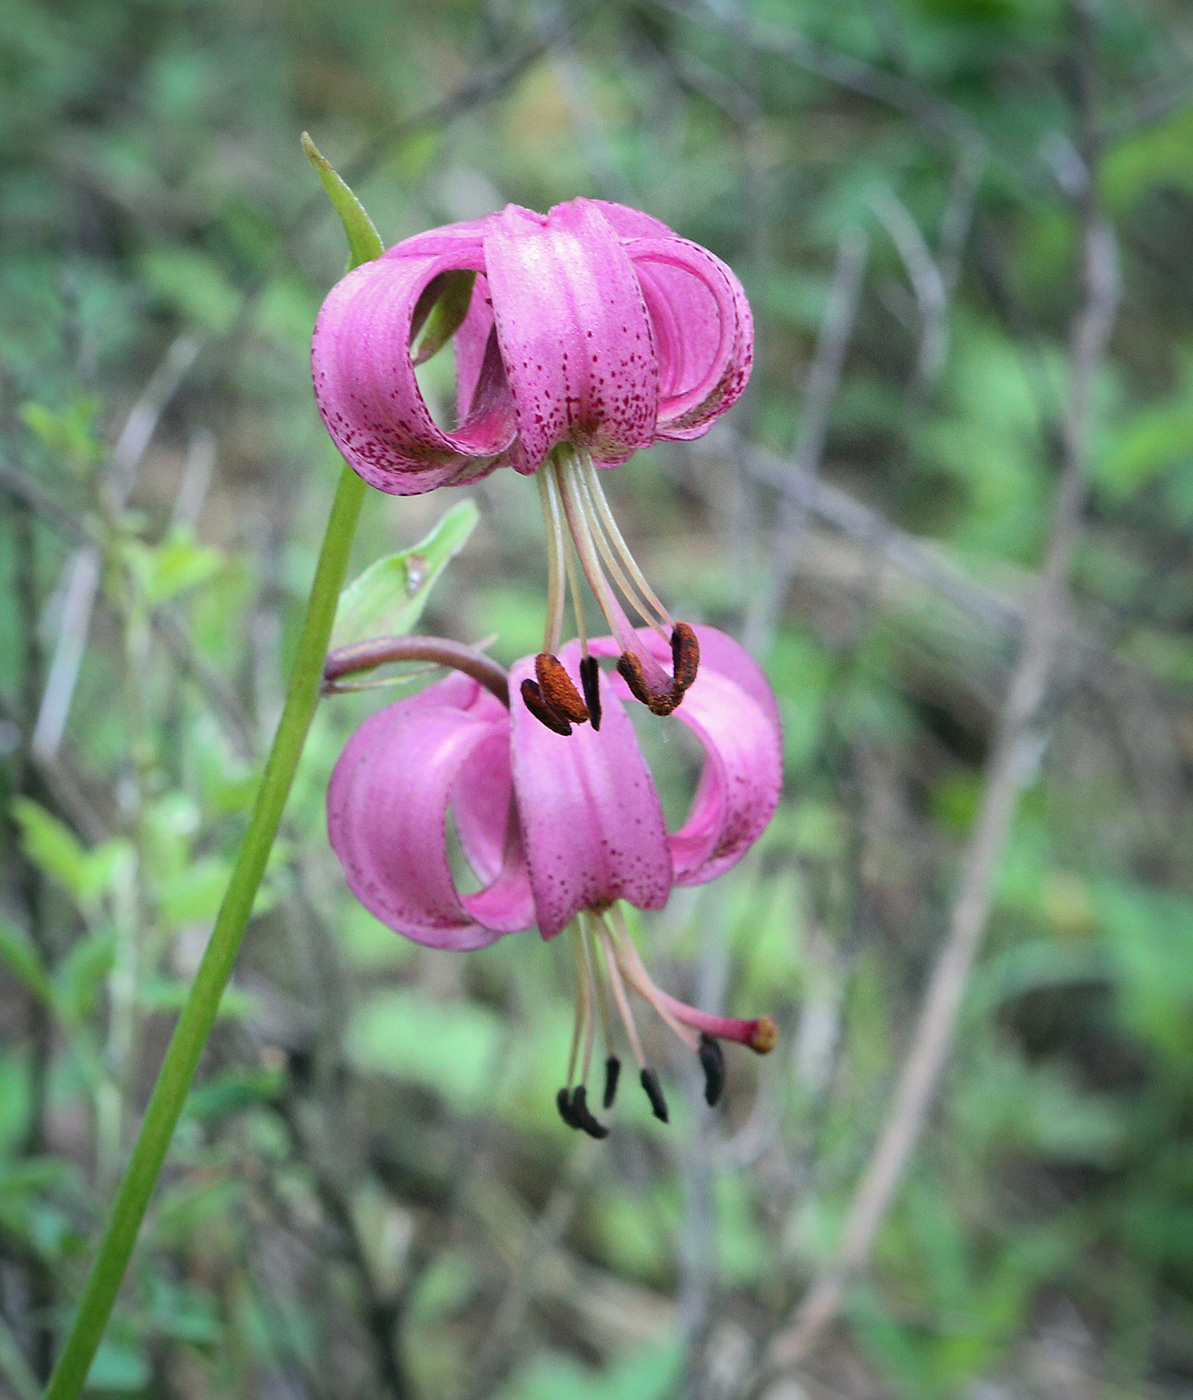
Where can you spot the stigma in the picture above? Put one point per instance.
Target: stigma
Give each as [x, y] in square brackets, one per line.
[583, 538]
[607, 968]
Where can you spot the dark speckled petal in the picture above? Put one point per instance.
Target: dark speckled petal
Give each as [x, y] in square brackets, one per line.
[592, 824]
[574, 333]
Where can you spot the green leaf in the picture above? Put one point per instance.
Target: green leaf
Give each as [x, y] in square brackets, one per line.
[388, 598]
[23, 960]
[364, 242]
[241, 1088]
[81, 973]
[176, 565]
[57, 851]
[70, 433]
[192, 895]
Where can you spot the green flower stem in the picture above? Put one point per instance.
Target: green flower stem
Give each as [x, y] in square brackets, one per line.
[202, 1003]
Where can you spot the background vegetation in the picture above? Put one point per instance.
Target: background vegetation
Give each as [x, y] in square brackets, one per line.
[964, 227]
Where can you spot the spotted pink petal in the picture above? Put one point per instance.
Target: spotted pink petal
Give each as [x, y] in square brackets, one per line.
[732, 711]
[593, 325]
[703, 332]
[366, 387]
[574, 334]
[590, 815]
[387, 817]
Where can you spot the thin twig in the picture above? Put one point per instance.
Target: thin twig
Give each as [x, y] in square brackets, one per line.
[83, 569]
[843, 70]
[918, 558]
[1017, 749]
[927, 283]
[824, 379]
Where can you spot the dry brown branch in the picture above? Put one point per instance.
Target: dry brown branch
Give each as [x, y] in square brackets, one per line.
[829, 504]
[824, 378]
[1019, 743]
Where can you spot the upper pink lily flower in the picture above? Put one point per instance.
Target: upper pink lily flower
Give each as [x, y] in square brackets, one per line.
[557, 830]
[580, 336]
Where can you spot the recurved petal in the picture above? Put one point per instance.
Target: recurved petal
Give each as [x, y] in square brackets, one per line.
[574, 334]
[632, 223]
[366, 387]
[732, 711]
[387, 813]
[703, 330]
[590, 815]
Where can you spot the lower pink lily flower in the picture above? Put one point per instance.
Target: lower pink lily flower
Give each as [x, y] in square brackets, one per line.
[557, 830]
[580, 336]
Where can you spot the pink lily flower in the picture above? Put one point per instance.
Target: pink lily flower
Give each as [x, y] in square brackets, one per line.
[580, 336]
[557, 830]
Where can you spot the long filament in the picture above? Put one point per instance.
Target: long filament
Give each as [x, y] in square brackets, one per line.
[598, 981]
[586, 549]
[619, 995]
[583, 1007]
[614, 563]
[556, 554]
[577, 598]
[590, 981]
[608, 521]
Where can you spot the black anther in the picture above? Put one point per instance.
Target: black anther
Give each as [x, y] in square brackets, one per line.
[612, 1074]
[563, 1103]
[590, 683]
[712, 1062]
[533, 699]
[583, 1114]
[654, 1092]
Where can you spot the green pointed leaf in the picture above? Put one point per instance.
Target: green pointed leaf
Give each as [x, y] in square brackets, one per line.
[56, 850]
[388, 598]
[18, 954]
[364, 242]
[443, 305]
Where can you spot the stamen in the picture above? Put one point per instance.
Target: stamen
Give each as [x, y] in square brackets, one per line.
[594, 971]
[532, 697]
[608, 520]
[654, 1092]
[590, 674]
[685, 657]
[619, 994]
[556, 555]
[578, 1023]
[583, 1002]
[577, 597]
[712, 1062]
[583, 1115]
[590, 1028]
[588, 555]
[613, 561]
[557, 688]
[563, 1102]
[612, 1075]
